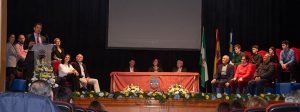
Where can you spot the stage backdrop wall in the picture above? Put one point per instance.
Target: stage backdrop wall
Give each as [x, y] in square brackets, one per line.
[82, 25]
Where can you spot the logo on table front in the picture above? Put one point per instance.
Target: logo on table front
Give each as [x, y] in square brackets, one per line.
[154, 83]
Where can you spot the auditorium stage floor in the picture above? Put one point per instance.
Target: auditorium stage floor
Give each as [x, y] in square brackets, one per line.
[143, 105]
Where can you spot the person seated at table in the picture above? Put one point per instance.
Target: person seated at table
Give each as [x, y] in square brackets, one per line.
[58, 53]
[242, 75]
[263, 74]
[237, 55]
[179, 67]
[223, 75]
[156, 67]
[131, 67]
[255, 57]
[273, 56]
[67, 73]
[84, 75]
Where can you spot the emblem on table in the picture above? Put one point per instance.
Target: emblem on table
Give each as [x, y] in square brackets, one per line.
[154, 83]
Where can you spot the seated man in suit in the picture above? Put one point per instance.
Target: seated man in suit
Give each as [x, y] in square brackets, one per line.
[84, 75]
[179, 67]
[263, 74]
[223, 75]
[242, 75]
[131, 67]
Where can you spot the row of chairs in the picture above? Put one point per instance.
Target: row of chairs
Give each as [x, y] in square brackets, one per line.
[67, 107]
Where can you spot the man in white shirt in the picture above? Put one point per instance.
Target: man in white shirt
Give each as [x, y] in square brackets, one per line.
[131, 67]
[83, 74]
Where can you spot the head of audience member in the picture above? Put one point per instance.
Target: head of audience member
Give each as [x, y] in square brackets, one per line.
[223, 107]
[179, 63]
[256, 101]
[285, 44]
[79, 58]
[225, 59]
[64, 94]
[41, 87]
[255, 49]
[272, 50]
[57, 42]
[293, 96]
[237, 48]
[37, 28]
[155, 62]
[131, 63]
[21, 39]
[11, 39]
[97, 106]
[266, 58]
[244, 60]
[66, 59]
[236, 105]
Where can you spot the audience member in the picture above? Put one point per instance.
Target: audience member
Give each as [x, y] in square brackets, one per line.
[58, 53]
[223, 107]
[273, 56]
[84, 75]
[41, 87]
[131, 67]
[156, 66]
[224, 74]
[67, 73]
[237, 55]
[236, 105]
[64, 94]
[242, 75]
[179, 67]
[287, 61]
[256, 102]
[11, 60]
[97, 106]
[255, 57]
[264, 74]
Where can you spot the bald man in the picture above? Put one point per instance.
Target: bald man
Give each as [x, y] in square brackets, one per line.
[84, 75]
[223, 75]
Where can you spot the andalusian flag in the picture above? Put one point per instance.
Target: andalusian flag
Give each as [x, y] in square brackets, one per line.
[202, 61]
[217, 52]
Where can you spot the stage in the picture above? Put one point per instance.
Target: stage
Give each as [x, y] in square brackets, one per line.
[150, 105]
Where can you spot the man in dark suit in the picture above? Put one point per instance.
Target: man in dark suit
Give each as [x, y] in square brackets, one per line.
[224, 74]
[31, 39]
[179, 67]
[131, 67]
[84, 76]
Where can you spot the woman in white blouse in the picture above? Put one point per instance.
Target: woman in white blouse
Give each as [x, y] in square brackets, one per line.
[67, 73]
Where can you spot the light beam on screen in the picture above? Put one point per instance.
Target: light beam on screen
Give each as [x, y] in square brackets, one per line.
[158, 24]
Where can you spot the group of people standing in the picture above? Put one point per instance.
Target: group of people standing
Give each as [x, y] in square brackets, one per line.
[252, 73]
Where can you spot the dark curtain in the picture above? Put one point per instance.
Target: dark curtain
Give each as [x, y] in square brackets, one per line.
[82, 27]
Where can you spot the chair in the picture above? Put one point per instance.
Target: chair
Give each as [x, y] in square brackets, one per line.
[19, 85]
[255, 109]
[284, 107]
[79, 109]
[297, 53]
[55, 65]
[247, 53]
[262, 53]
[64, 106]
[91, 110]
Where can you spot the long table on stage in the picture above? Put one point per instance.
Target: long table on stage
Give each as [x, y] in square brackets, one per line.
[120, 80]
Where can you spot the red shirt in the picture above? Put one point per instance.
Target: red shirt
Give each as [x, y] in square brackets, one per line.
[244, 72]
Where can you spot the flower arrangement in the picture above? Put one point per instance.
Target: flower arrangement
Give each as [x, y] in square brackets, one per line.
[132, 91]
[90, 94]
[177, 91]
[44, 72]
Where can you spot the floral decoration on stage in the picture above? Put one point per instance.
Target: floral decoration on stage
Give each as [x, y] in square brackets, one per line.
[44, 72]
[177, 91]
[132, 91]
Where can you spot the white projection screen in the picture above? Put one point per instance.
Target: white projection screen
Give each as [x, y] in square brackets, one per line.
[154, 24]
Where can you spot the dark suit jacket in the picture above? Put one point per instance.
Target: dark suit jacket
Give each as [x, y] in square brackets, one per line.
[77, 68]
[265, 71]
[175, 69]
[151, 69]
[31, 38]
[127, 69]
[229, 72]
